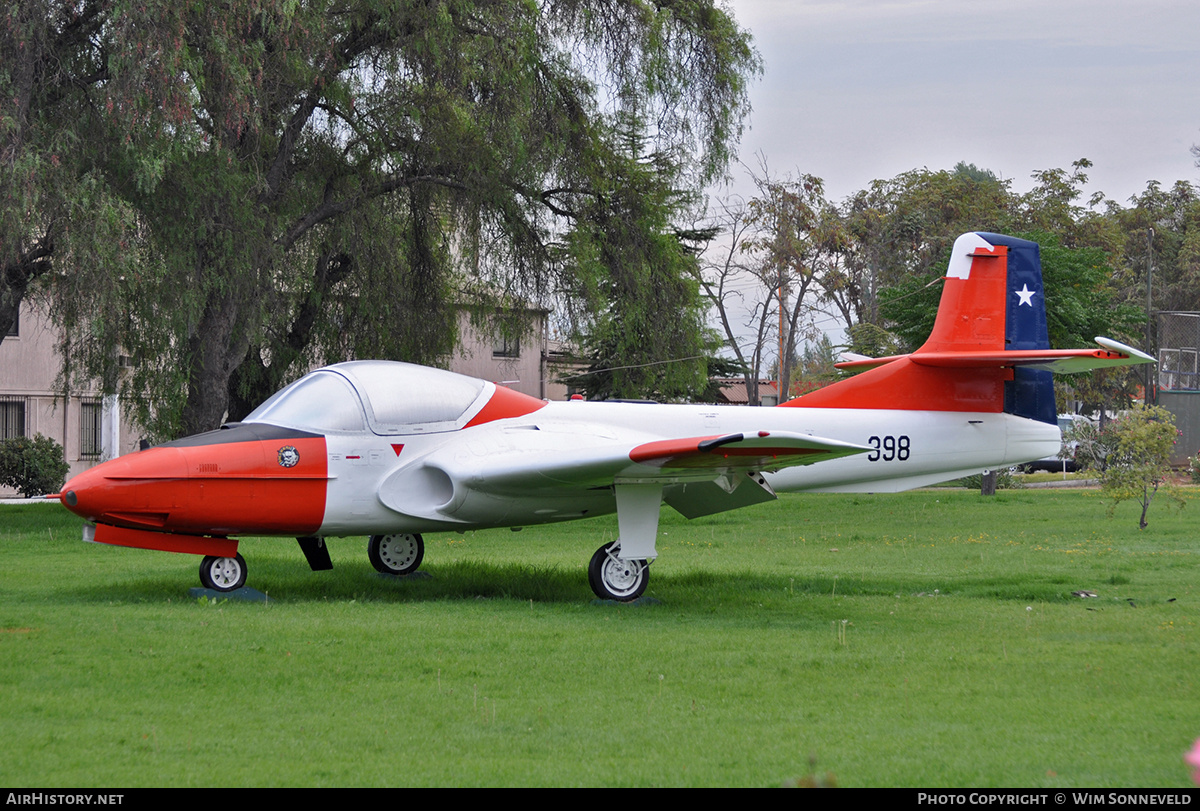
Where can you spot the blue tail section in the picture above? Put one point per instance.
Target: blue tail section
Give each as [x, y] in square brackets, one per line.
[1031, 391]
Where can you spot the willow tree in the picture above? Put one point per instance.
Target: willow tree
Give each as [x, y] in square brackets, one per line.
[56, 209]
[330, 178]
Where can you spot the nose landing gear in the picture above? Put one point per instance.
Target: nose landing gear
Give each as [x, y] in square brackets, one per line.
[223, 574]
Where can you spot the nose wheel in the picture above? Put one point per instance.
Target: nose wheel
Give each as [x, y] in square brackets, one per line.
[223, 574]
[398, 554]
[614, 579]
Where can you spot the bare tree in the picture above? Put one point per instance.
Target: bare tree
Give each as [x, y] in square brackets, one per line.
[736, 291]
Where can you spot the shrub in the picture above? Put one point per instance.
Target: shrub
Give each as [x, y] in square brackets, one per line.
[1194, 468]
[1092, 445]
[32, 467]
[1005, 480]
[1138, 466]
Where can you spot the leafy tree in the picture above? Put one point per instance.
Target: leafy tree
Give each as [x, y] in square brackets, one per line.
[973, 172]
[319, 180]
[1139, 458]
[1161, 230]
[1091, 442]
[634, 266]
[900, 232]
[816, 368]
[873, 341]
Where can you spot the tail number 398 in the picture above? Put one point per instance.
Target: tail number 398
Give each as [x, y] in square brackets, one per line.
[888, 448]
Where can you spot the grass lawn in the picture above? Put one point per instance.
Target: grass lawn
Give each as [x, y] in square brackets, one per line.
[920, 639]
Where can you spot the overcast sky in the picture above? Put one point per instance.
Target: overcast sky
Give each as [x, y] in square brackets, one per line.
[856, 90]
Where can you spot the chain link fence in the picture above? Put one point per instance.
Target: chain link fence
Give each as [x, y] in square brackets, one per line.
[1179, 378]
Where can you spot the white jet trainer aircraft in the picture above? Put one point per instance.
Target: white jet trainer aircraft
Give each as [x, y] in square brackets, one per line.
[393, 450]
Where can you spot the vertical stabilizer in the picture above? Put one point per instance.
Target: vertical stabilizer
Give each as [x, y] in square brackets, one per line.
[971, 315]
[992, 302]
[1031, 391]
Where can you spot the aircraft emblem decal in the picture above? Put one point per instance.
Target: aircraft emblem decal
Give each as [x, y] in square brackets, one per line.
[288, 456]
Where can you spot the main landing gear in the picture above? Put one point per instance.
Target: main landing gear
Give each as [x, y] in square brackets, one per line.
[610, 577]
[400, 553]
[223, 574]
[614, 579]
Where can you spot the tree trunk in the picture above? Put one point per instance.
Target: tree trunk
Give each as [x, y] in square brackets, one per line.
[215, 350]
[16, 277]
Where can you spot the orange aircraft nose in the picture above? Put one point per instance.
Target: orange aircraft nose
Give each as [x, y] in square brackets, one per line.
[223, 483]
[139, 490]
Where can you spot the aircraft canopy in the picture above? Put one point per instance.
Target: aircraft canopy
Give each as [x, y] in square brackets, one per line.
[386, 397]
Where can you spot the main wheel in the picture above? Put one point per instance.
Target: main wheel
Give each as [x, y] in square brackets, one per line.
[396, 554]
[614, 579]
[223, 574]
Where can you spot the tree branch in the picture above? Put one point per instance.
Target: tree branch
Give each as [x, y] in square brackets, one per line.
[330, 208]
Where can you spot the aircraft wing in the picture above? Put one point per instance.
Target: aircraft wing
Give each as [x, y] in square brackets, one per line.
[554, 469]
[697, 458]
[764, 450]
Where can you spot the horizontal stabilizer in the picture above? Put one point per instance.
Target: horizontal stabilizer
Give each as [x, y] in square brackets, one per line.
[862, 364]
[1063, 361]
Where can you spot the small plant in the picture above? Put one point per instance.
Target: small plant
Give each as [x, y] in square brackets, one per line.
[1194, 468]
[1138, 465]
[839, 629]
[1091, 443]
[32, 467]
[1005, 480]
[812, 779]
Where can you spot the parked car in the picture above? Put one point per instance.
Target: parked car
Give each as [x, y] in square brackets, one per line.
[1067, 454]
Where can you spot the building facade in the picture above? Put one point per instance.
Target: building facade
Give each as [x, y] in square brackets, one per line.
[88, 426]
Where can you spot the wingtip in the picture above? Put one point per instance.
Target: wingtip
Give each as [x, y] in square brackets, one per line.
[1124, 349]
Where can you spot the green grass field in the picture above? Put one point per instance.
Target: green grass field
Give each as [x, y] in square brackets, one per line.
[922, 639]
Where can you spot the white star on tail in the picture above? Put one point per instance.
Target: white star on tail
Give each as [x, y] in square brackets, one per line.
[1026, 295]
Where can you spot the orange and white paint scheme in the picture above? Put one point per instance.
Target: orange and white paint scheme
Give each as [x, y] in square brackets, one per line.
[393, 450]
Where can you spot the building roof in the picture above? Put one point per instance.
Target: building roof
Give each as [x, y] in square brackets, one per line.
[733, 390]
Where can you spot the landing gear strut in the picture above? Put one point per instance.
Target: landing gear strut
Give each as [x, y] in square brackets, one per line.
[614, 579]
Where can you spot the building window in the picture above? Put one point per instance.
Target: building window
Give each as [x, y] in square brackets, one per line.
[12, 417]
[14, 331]
[506, 347]
[89, 429]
